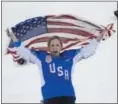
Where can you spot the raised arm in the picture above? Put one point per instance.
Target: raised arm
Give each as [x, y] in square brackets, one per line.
[87, 50]
[21, 50]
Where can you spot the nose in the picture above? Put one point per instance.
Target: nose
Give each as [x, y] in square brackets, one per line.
[55, 48]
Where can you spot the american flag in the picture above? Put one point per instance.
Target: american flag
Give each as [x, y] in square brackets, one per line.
[74, 32]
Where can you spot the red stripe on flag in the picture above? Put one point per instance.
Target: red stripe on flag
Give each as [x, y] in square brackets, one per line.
[11, 51]
[71, 31]
[72, 44]
[61, 23]
[50, 16]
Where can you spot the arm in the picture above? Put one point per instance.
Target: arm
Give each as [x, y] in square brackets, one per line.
[21, 50]
[87, 50]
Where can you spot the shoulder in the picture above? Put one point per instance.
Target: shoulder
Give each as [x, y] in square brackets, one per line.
[40, 53]
[70, 53]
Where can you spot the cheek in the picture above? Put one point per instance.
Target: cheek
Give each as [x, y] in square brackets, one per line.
[50, 48]
[60, 48]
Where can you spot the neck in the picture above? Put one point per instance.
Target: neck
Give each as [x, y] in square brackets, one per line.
[58, 54]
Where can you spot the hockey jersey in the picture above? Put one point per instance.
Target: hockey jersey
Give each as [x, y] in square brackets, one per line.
[56, 71]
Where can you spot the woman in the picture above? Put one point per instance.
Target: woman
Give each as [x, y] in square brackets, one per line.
[56, 68]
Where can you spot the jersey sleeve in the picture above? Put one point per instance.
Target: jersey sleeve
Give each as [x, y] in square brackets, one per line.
[86, 51]
[29, 55]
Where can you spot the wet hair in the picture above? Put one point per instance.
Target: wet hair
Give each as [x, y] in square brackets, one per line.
[52, 38]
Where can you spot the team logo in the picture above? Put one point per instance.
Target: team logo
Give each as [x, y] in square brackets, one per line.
[48, 59]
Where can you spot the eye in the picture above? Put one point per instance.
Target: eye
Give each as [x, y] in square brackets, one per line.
[57, 45]
[52, 45]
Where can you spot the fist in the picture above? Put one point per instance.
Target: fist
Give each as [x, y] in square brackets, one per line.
[21, 61]
[8, 33]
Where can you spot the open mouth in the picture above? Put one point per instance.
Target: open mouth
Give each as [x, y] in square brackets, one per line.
[55, 52]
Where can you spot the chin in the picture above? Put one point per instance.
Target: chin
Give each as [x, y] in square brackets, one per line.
[55, 54]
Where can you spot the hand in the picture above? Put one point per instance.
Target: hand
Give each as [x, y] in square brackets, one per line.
[21, 61]
[8, 33]
[99, 38]
[11, 35]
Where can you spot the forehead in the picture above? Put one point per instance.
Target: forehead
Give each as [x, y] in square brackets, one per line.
[55, 41]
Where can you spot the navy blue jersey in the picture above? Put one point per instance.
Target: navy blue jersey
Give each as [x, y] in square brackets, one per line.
[56, 70]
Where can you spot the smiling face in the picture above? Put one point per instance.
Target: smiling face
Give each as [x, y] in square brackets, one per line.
[55, 45]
